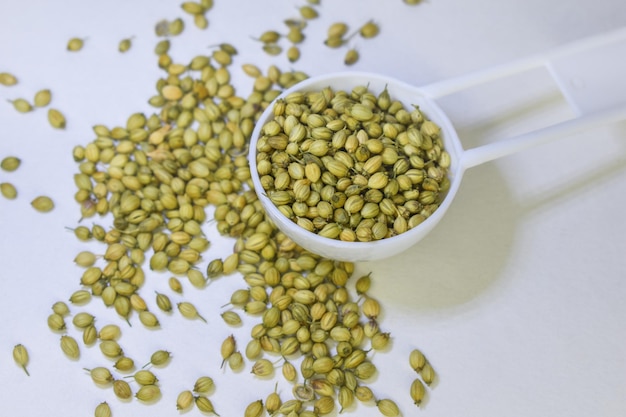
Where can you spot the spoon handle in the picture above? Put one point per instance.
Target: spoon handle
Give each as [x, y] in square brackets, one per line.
[589, 74]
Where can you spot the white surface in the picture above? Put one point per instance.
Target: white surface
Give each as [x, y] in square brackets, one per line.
[516, 297]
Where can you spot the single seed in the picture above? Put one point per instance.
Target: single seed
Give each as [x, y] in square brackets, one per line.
[388, 408]
[42, 98]
[124, 45]
[75, 44]
[417, 392]
[70, 347]
[102, 410]
[263, 368]
[204, 385]
[254, 409]
[369, 30]
[158, 358]
[21, 105]
[189, 311]
[231, 318]
[205, 405]
[20, 355]
[148, 393]
[351, 57]
[7, 79]
[100, 375]
[184, 400]
[122, 389]
[417, 360]
[10, 163]
[228, 348]
[56, 119]
[8, 190]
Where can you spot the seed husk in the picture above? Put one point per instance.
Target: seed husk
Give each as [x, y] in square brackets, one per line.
[124, 364]
[111, 349]
[60, 308]
[228, 348]
[8, 190]
[57, 119]
[103, 410]
[20, 355]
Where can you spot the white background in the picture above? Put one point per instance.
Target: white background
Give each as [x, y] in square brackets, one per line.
[517, 297]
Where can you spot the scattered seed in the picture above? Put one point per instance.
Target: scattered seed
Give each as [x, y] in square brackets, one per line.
[75, 44]
[7, 79]
[20, 355]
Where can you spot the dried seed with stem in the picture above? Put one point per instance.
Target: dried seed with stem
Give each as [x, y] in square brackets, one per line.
[20, 355]
[189, 311]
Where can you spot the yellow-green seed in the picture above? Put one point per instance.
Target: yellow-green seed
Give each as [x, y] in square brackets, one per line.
[231, 318]
[60, 308]
[42, 98]
[262, 368]
[21, 105]
[7, 79]
[56, 322]
[184, 400]
[189, 311]
[417, 360]
[351, 57]
[388, 408]
[204, 385]
[102, 410]
[10, 163]
[369, 30]
[109, 332]
[254, 409]
[158, 358]
[417, 392]
[124, 45]
[111, 349]
[70, 347]
[124, 364]
[56, 119]
[82, 320]
[122, 389]
[75, 44]
[100, 375]
[204, 404]
[163, 302]
[8, 190]
[20, 355]
[148, 319]
[427, 373]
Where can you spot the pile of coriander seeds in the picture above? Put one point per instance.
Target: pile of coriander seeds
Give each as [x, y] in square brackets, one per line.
[148, 186]
[352, 166]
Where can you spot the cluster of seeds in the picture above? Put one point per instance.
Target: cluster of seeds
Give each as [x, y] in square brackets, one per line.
[419, 364]
[159, 174]
[9, 164]
[41, 99]
[337, 37]
[295, 35]
[351, 165]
